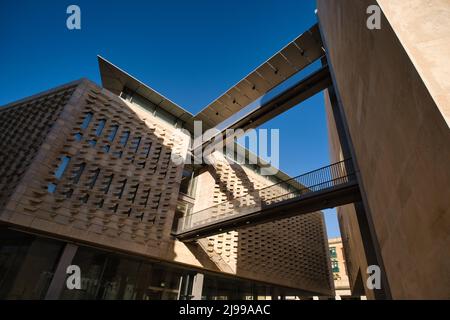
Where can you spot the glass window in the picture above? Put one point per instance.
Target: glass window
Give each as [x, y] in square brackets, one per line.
[147, 105]
[69, 193]
[133, 193]
[100, 203]
[122, 188]
[124, 138]
[85, 198]
[91, 263]
[142, 102]
[126, 94]
[147, 195]
[78, 136]
[333, 253]
[146, 150]
[118, 280]
[109, 180]
[112, 135]
[111, 276]
[94, 178]
[51, 187]
[165, 116]
[135, 143]
[335, 266]
[27, 264]
[188, 182]
[101, 125]
[62, 167]
[87, 120]
[117, 154]
[79, 172]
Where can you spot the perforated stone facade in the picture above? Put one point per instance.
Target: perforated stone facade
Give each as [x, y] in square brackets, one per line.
[291, 250]
[119, 189]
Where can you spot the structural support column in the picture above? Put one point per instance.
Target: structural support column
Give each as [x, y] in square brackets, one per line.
[197, 286]
[191, 286]
[368, 235]
[59, 278]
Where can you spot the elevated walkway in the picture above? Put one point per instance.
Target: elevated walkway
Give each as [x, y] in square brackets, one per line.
[323, 188]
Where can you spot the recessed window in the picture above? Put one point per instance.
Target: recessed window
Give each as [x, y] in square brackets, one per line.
[85, 198]
[109, 180]
[92, 142]
[79, 172]
[62, 167]
[146, 150]
[335, 266]
[122, 188]
[147, 195]
[94, 178]
[69, 193]
[78, 136]
[100, 203]
[333, 253]
[113, 133]
[135, 143]
[134, 193]
[106, 148]
[87, 120]
[124, 138]
[100, 127]
[51, 188]
[117, 154]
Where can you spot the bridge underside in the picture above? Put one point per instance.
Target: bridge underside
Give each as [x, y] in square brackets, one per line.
[323, 188]
[327, 198]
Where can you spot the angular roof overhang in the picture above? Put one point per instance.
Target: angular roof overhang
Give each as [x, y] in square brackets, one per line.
[294, 57]
[115, 80]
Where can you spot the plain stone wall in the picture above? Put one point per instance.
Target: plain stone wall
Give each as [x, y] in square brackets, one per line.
[397, 121]
[356, 262]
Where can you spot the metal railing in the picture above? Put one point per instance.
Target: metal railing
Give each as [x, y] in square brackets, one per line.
[314, 181]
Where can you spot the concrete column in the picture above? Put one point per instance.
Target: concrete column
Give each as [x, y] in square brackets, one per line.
[197, 286]
[368, 235]
[59, 278]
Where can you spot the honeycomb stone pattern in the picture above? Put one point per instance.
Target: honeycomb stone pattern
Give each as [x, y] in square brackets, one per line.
[24, 127]
[123, 195]
[118, 187]
[291, 251]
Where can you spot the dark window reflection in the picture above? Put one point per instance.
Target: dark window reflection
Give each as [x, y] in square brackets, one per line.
[111, 277]
[27, 264]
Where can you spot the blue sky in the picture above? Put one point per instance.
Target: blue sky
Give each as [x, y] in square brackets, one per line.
[190, 51]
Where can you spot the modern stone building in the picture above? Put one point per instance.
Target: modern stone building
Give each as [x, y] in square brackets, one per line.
[87, 179]
[339, 268]
[393, 86]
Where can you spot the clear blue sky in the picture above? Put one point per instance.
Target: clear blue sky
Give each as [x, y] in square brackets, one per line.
[190, 51]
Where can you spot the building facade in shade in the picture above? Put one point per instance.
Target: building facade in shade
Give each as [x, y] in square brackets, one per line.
[393, 86]
[87, 175]
[339, 267]
[87, 179]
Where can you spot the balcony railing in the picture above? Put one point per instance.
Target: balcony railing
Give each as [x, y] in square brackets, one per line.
[314, 181]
